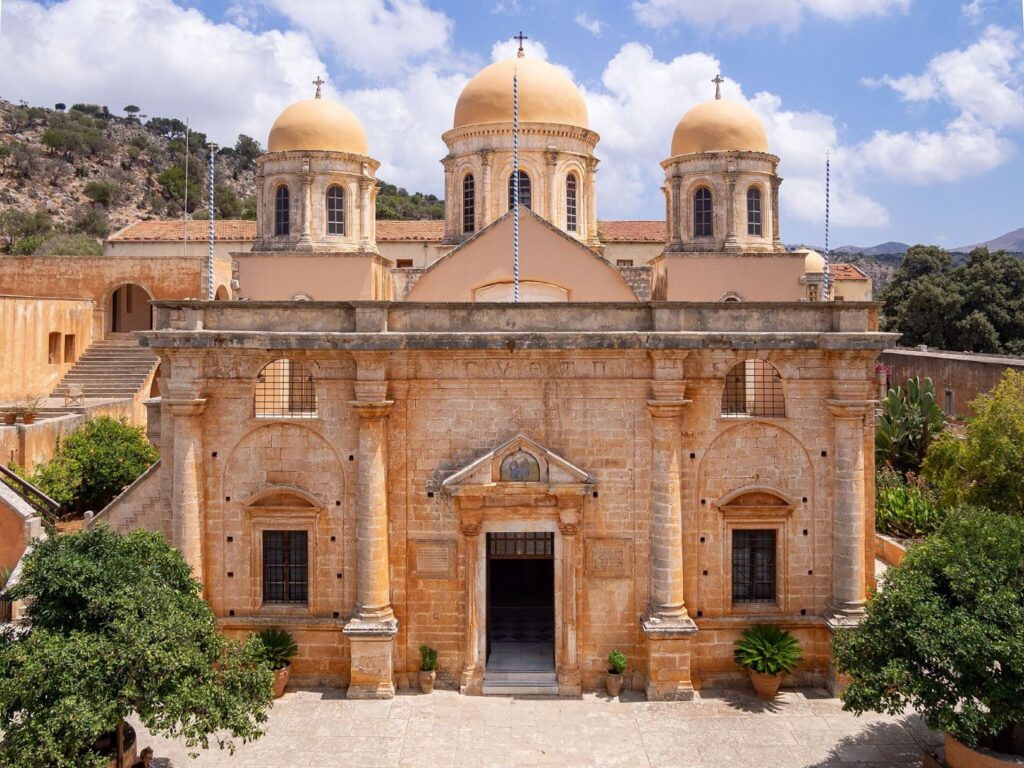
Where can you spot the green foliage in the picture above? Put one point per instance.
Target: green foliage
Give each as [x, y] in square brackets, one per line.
[94, 464]
[60, 106]
[905, 507]
[16, 225]
[616, 662]
[172, 181]
[986, 467]
[104, 191]
[80, 244]
[132, 110]
[910, 420]
[428, 658]
[277, 648]
[28, 245]
[118, 626]
[94, 110]
[246, 150]
[167, 127]
[74, 134]
[946, 634]
[91, 220]
[978, 307]
[767, 650]
[396, 203]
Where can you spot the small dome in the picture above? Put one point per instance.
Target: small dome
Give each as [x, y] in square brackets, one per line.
[814, 262]
[318, 124]
[719, 126]
[546, 95]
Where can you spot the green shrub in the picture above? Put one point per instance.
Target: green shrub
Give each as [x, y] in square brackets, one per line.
[946, 634]
[93, 221]
[767, 650]
[28, 245]
[428, 658]
[905, 507]
[910, 420]
[616, 662]
[104, 191]
[277, 648]
[69, 245]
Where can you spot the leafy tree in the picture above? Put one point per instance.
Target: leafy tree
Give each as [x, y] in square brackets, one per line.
[90, 220]
[247, 149]
[69, 245]
[74, 134]
[172, 181]
[94, 464]
[118, 627]
[104, 191]
[910, 420]
[168, 127]
[93, 110]
[396, 203]
[132, 110]
[986, 467]
[16, 224]
[28, 245]
[946, 634]
[60, 106]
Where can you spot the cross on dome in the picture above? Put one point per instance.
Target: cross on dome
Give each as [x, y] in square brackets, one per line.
[717, 80]
[318, 83]
[520, 37]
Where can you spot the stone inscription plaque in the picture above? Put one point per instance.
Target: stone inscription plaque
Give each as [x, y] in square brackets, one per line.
[433, 558]
[609, 558]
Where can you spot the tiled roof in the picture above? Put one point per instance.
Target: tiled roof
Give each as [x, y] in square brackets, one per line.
[427, 230]
[632, 231]
[846, 272]
[174, 231]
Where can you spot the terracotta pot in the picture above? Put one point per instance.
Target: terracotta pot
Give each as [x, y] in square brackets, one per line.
[427, 680]
[765, 685]
[281, 680]
[10, 418]
[28, 418]
[961, 756]
[614, 683]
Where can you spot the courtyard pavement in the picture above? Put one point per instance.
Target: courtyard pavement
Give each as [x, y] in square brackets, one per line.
[720, 729]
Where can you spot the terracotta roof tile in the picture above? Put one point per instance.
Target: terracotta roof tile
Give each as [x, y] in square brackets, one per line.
[174, 231]
[427, 230]
[846, 272]
[632, 231]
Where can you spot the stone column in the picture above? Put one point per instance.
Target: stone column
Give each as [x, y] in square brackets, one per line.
[452, 203]
[668, 627]
[551, 166]
[187, 484]
[371, 632]
[483, 215]
[365, 210]
[306, 198]
[591, 201]
[260, 180]
[472, 681]
[569, 678]
[776, 238]
[731, 242]
[677, 210]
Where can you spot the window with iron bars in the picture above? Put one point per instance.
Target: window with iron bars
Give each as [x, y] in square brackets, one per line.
[524, 190]
[703, 218]
[754, 211]
[335, 211]
[286, 567]
[570, 202]
[281, 211]
[285, 390]
[753, 566]
[753, 388]
[468, 204]
[520, 545]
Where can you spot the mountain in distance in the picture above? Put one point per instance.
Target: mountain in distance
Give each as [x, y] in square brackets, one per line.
[891, 247]
[1011, 242]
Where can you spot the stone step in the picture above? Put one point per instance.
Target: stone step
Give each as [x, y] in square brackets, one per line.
[526, 683]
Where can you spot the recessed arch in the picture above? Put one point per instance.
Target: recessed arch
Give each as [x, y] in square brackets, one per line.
[703, 212]
[335, 200]
[285, 389]
[283, 495]
[753, 387]
[755, 211]
[571, 201]
[282, 211]
[468, 204]
[525, 189]
[732, 296]
[128, 307]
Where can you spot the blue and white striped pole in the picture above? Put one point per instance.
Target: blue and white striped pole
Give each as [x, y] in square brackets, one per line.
[515, 181]
[209, 255]
[826, 277]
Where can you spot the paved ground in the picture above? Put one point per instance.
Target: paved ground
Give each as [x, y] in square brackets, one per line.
[321, 729]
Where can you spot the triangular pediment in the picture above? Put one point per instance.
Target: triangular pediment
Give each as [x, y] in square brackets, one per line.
[518, 460]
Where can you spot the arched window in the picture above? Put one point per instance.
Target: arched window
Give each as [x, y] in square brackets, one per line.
[335, 210]
[285, 390]
[524, 189]
[702, 213]
[754, 211]
[753, 388]
[570, 202]
[281, 211]
[468, 204]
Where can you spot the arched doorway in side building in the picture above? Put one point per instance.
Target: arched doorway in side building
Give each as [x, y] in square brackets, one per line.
[129, 309]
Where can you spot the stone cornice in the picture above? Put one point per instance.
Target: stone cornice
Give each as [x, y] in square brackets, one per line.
[185, 406]
[372, 410]
[525, 129]
[850, 409]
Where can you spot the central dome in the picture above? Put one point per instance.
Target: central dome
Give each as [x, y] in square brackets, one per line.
[719, 126]
[318, 125]
[546, 95]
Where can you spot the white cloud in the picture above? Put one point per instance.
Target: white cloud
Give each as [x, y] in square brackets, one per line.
[170, 61]
[973, 10]
[506, 49]
[743, 15]
[376, 37]
[593, 26]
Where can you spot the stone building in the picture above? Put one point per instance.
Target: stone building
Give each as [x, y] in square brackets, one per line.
[523, 486]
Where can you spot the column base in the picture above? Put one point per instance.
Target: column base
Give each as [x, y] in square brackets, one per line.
[840, 617]
[371, 648]
[669, 648]
[570, 682]
[472, 682]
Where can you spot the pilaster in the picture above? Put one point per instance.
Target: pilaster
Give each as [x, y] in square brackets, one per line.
[731, 241]
[569, 678]
[484, 216]
[472, 679]
[591, 203]
[551, 171]
[188, 482]
[776, 237]
[306, 196]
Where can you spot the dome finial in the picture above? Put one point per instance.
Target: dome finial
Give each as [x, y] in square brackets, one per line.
[717, 80]
[318, 83]
[520, 37]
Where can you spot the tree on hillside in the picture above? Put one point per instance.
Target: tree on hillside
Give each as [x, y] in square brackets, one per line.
[172, 182]
[117, 627]
[132, 110]
[60, 106]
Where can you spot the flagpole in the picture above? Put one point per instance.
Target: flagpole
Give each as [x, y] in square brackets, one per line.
[515, 172]
[826, 277]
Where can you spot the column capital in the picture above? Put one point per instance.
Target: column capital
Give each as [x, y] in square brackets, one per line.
[372, 409]
[471, 530]
[551, 156]
[568, 529]
[667, 409]
[486, 156]
[850, 409]
[186, 406]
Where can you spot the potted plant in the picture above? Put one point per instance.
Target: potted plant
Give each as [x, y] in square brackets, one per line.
[946, 637]
[10, 415]
[767, 653]
[29, 409]
[616, 666]
[279, 649]
[428, 668]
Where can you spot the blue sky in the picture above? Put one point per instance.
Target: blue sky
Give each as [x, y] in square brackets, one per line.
[920, 101]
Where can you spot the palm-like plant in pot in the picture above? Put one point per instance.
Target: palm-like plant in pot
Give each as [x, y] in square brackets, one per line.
[616, 666]
[279, 649]
[767, 652]
[428, 668]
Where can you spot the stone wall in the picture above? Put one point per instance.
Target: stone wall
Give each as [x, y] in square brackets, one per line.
[19, 525]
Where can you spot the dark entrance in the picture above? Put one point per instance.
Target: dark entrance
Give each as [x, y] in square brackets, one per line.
[520, 602]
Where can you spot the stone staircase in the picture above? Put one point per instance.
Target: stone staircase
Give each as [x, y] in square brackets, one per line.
[524, 683]
[140, 505]
[115, 368]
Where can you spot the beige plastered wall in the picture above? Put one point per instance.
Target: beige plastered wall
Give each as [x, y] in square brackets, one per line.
[639, 253]
[852, 290]
[710, 278]
[18, 526]
[320, 277]
[422, 254]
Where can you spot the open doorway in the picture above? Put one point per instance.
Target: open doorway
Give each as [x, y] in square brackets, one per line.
[130, 310]
[520, 602]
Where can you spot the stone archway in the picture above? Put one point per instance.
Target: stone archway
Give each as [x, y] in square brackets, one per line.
[128, 308]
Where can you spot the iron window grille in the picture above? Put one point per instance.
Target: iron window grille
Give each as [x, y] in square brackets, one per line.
[285, 390]
[703, 210]
[570, 202]
[281, 211]
[286, 567]
[468, 204]
[520, 545]
[335, 211]
[753, 566]
[754, 211]
[524, 190]
[753, 388]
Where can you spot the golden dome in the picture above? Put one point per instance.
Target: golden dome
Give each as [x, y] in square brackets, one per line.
[318, 124]
[814, 262]
[546, 95]
[718, 126]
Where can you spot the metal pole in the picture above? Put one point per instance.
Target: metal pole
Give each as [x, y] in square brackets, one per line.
[209, 255]
[826, 277]
[515, 183]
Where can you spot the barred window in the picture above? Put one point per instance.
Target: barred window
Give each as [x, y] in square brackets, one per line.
[520, 545]
[702, 213]
[570, 202]
[754, 211]
[281, 211]
[753, 566]
[286, 567]
[285, 390]
[468, 204]
[753, 388]
[524, 189]
[335, 211]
